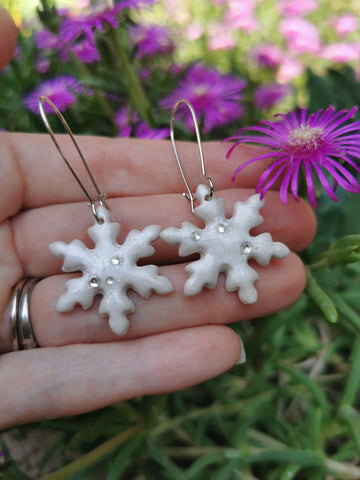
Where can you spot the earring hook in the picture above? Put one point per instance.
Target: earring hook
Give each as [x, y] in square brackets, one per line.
[189, 195]
[101, 196]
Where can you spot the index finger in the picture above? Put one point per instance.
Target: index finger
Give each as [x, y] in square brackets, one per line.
[34, 171]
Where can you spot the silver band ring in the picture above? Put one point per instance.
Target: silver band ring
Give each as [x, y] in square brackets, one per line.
[22, 333]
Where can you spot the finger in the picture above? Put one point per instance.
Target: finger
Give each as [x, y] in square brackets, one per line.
[293, 224]
[8, 37]
[279, 285]
[121, 167]
[55, 382]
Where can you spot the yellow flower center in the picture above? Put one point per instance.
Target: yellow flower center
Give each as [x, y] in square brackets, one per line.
[305, 138]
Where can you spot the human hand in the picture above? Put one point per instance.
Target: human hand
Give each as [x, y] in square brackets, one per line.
[173, 341]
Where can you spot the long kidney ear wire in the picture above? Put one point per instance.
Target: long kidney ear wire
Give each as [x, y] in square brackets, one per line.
[100, 196]
[189, 195]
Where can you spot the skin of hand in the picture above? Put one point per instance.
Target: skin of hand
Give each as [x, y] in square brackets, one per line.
[173, 341]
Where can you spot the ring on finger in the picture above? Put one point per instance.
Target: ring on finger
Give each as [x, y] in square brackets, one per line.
[22, 332]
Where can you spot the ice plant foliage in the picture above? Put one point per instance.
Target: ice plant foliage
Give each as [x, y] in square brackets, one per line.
[320, 143]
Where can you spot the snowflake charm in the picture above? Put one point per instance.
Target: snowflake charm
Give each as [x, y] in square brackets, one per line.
[225, 245]
[110, 269]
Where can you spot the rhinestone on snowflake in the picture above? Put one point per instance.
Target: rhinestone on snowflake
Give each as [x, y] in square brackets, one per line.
[225, 245]
[110, 269]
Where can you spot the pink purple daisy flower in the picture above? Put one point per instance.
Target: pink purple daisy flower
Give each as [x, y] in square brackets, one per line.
[46, 40]
[151, 39]
[215, 97]
[142, 130]
[60, 90]
[341, 52]
[267, 55]
[129, 124]
[266, 96]
[86, 51]
[289, 69]
[298, 7]
[321, 143]
[301, 35]
[100, 16]
[241, 15]
[345, 24]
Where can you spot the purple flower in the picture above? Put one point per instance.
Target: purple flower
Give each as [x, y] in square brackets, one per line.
[42, 64]
[298, 7]
[345, 24]
[124, 120]
[100, 17]
[341, 52]
[86, 51]
[266, 96]
[301, 35]
[241, 15]
[142, 130]
[46, 40]
[60, 90]
[220, 37]
[215, 97]
[151, 39]
[289, 69]
[319, 144]
[194, 31]
[129, 123]
[267, 55]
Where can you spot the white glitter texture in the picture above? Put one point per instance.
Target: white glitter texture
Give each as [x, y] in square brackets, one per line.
[110, 269]
[225, 245]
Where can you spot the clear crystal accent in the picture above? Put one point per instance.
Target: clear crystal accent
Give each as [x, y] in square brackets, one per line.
[246, 248]
[94, 282]
[109, 281]
[115, 260]
[221, 228]
[196, 236]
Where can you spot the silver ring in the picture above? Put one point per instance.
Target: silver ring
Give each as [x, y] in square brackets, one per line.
[22, 332]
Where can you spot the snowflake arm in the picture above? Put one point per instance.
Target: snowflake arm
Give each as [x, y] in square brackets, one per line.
[225, 245]
[138, 244]
[110, 269]
[202, 273]
[242, 281]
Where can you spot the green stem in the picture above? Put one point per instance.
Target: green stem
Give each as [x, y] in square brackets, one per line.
[136, 93]
[98, 453]
[205, 412]
[83, 70]
[306, 458]
[319, 266]
[353, 381]
[318, 295]
[290, 472]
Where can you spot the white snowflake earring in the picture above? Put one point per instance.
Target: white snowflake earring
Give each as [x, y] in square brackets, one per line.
[108, 269]
[225, 244]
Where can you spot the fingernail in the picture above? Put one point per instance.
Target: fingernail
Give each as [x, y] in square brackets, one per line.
[242, 358]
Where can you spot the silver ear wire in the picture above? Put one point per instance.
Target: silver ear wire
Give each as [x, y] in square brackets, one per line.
[101, 196]
[189, 195]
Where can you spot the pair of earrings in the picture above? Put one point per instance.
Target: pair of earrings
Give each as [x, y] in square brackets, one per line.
[110, 269]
